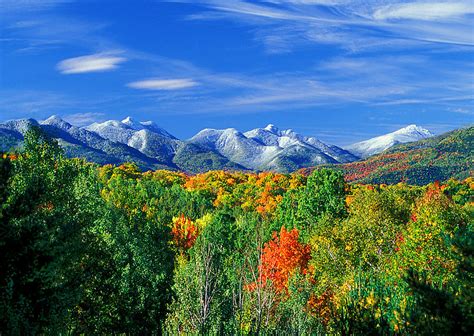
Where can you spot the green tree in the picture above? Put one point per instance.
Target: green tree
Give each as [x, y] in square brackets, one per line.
[324, 194]
[203, 302]
[130, 269]
[44, 222]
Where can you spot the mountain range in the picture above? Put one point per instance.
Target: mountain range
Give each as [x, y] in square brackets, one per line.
[152, 147]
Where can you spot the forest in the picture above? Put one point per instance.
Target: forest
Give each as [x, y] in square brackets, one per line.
[88, 249]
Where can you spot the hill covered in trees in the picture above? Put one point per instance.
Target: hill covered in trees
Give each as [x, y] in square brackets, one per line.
[111, 250]
[450, 155]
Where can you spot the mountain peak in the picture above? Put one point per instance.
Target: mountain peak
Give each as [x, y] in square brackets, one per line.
[19, 125]
[54, 117]
[378, 144]
[410, 127]
[272, 128]
[128, 121]
[414, 129]
[55, 120]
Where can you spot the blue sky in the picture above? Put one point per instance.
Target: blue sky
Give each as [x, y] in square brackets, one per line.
[339, 70]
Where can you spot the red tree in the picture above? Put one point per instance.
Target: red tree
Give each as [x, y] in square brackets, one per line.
[282, 257]
[184, 232]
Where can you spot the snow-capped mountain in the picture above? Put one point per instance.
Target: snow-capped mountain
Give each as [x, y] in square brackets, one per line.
[144, 136]
[19, 125]
[123, 129]
[270, 148]
[152, 147]
[379, 144]
[235, 146]
[271, 135]
[77, 142]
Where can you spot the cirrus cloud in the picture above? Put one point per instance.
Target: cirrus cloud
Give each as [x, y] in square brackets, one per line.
[424, 10]
[90, 63]
[163, 84]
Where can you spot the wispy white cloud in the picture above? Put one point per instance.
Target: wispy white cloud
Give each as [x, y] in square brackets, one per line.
[432, 100]
[425, 10]
[40, 25]
[371, 80]
[248, 11]
[463, 110]
[163, 84]
[310, 2]
[90, 63]
[41, 104]
[353, 25]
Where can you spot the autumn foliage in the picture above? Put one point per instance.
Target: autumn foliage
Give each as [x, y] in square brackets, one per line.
[184, 232]
[282, 257]
[112, 250]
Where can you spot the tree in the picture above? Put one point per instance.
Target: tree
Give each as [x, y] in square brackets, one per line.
[282, 257]
[45, 222]
[324, 194]
[184, 232]
[129, 273]
[203, 302]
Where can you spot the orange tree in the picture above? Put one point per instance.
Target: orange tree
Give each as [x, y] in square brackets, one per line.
[281, 258]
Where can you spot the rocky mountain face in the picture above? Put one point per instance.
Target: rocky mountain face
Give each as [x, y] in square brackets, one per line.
[152, 147]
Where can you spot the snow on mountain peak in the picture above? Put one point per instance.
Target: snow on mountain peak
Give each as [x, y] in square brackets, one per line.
[52, 119]
[272, 128]
[231, 131]
[19, 125]
[56, 121]
[414, 129]
[379, 144]
[264, 147]
[128, 121]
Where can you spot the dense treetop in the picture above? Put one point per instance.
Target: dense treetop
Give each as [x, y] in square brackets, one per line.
[90, 249]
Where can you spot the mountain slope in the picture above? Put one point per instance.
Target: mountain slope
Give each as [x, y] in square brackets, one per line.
[271, 135]
[194, 159]
[235, 146]
[377, 145]
[118, 152]
[270, 149]
[146, 137]
[77, 142]
[450, 155]
[11, 133]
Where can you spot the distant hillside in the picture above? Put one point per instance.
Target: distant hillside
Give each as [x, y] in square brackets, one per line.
[437, 158]
[78, 142]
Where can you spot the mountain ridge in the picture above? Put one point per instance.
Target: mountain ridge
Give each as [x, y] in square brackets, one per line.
[152, 147]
